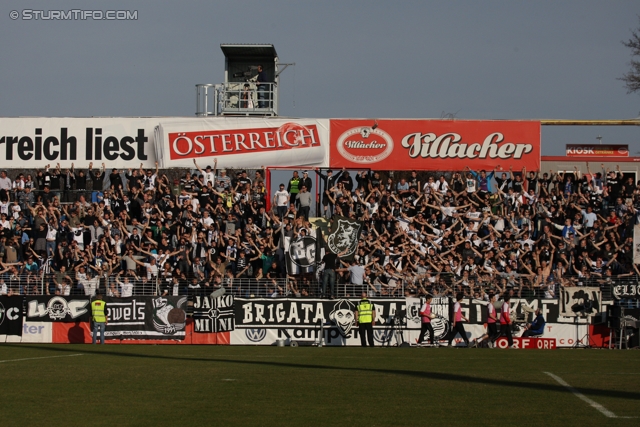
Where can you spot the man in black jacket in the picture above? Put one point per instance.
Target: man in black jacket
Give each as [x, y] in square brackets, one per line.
[329, 180]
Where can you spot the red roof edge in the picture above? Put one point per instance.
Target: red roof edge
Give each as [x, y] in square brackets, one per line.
[601, 159]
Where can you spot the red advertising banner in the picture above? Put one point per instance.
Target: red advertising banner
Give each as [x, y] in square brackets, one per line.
[528, 343]
[577, 150]
[443, 145]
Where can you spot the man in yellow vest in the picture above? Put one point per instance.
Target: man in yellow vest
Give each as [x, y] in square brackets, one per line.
[99, 316]
[365, 318]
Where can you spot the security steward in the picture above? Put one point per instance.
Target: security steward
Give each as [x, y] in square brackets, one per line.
[99, 316]
[366, 319]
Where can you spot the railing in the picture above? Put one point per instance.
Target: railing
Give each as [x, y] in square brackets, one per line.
[21, 283]
[295, 286]
[246, 98]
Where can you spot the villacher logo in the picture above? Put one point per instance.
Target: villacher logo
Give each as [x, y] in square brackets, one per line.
[450, 145]
[365, 145]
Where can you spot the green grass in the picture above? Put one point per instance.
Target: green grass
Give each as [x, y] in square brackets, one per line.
[263, 386]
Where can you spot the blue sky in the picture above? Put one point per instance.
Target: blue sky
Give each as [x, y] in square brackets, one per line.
[414, 59]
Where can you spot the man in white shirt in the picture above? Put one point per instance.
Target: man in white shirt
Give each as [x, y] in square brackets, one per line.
[589, 217]
[208, 175]
[281, 200]
[126, 288]
[5, 184]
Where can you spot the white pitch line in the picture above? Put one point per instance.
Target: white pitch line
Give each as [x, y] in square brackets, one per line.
[37, 358]
[599, 407]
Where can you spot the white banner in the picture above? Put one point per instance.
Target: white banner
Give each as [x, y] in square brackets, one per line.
[636, 244]
[41, 332]
[119, 142]
[241, 142]
[580, 301]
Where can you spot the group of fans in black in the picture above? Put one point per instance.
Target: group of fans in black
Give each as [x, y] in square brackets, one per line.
[74, 231]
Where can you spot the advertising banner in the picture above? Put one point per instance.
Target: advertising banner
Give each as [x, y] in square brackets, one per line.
[528, 343]
[39, 332]
[243, 142]
[58, 309]
[120, 142]
[10, 317]
[154, 318]
[577, 150]
[440, 145]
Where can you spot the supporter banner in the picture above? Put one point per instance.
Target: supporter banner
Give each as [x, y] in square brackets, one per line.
[442, 145]
[577, 150]
[300, 254]
[154, 318]
[626, 290]
[58, 309]
[343, 236]
[441, 307]
[636, 244]
[10, 317]
[263, 321]
[580, 301]
[213, 314]
[308, 313]
[243, 142]
[120, 142]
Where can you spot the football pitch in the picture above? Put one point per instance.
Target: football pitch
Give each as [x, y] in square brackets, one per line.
[114, 385]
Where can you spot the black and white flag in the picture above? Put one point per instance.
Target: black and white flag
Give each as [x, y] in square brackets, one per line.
[300, 254]
[213, 314]
[343, 236]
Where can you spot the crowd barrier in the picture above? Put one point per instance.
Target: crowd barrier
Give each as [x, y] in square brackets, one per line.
[625, 291]
[229, 320]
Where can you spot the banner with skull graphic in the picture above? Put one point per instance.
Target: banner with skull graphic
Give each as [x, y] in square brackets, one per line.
[58, 309]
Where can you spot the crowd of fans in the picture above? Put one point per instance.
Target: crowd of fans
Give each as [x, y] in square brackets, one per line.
[122, 233]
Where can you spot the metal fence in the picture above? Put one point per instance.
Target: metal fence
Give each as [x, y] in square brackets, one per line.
[119, 285]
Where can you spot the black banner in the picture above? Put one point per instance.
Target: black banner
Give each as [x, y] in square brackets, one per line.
[213, 314]
[146, 318]
[58, 309]
[11, 316]
[625, 290]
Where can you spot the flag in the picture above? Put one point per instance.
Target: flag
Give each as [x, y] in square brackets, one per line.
[343, 236]
[320, 251]
[299, 254]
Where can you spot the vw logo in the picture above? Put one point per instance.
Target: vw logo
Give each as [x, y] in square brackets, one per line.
[255, 335]
[382, 336]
